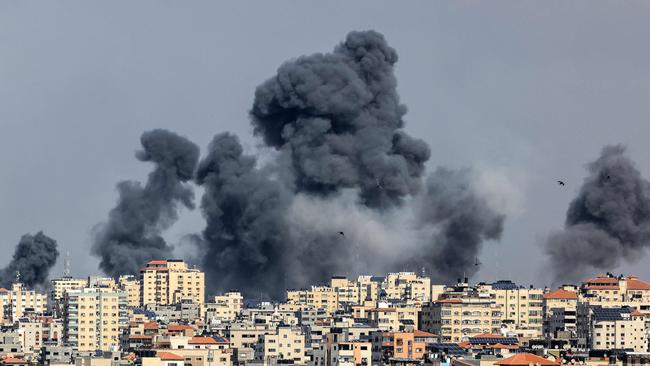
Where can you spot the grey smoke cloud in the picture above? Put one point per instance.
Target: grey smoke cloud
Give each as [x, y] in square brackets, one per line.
[244, 243]
[34, 257]
[132, 234]
[338, 124]
[339, 117]
[607, 222]
[459, 220]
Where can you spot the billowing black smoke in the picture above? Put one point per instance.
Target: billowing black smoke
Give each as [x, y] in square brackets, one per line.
[460, 219]
[250, 242]
[246, 232]
[337, 123]
[132, 234]
[339, 118]
[33, 258]
[608, 221]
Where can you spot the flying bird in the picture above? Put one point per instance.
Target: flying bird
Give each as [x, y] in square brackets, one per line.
[379, 184]
[341, 233]
[561, 183]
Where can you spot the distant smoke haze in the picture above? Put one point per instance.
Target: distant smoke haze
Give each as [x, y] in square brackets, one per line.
[609, 220]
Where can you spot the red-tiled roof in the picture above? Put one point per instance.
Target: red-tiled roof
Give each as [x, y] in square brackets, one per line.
[156, 262]
[561, 294]
[10, 360]
[203, 340]
[151, 325]
[634, 283]
[2, 289]
[636, 313]
[168, 356]
[421, 333]
[179, 328]
[138, 336]
[450, 301]
[526, 359]
[602, 279]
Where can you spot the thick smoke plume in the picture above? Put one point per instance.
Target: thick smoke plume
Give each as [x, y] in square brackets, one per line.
[346, 172]
[339, 118]
[34, 257]
[607, 222]
[459, 219]
[246, 234]
[132, 234]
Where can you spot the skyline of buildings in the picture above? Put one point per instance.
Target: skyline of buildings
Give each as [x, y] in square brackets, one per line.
[164, 316]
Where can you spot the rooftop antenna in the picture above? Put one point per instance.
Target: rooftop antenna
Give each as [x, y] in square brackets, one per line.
[66, 264]
[17, 276]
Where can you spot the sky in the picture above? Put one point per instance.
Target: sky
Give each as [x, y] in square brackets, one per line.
[528, 92]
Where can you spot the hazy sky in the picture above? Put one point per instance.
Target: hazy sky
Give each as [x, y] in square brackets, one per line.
[528, 90]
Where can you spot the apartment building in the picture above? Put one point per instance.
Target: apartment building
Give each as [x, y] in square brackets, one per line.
[317, 297]
[520, 308]
[285, 345]
[31, 335]
[407, 286]
[559, 308]
[224, 307]
[612, 291]
[619, 328]
[94, 318]
[170, 281]
[60, 286]
[455, 320]
[351, 353]
[131, 285]
[19, 301]
[198, 351]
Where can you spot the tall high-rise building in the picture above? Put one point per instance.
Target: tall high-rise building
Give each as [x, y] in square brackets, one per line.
[166, 282]
[94, 318]
[59, 288]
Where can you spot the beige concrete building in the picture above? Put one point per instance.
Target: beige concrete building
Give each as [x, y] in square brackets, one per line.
[318, 297]
[130, 285]
[31, 335]
[521, 309]
[455, 320]
[61, 285]
[18, 301]
[611, 291]
[224, 307]
[286, 344]
[94, 318]
[167, 282]
[618, 328]
[407, 286]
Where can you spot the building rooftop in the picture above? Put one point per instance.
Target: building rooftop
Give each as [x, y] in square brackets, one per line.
[526, 359]
[561, 294]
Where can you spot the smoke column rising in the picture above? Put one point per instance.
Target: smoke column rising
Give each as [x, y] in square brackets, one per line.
[132, 234]
[607, 222]
[459, 220]
[34, 257]
[345, 167]
[245, 240]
